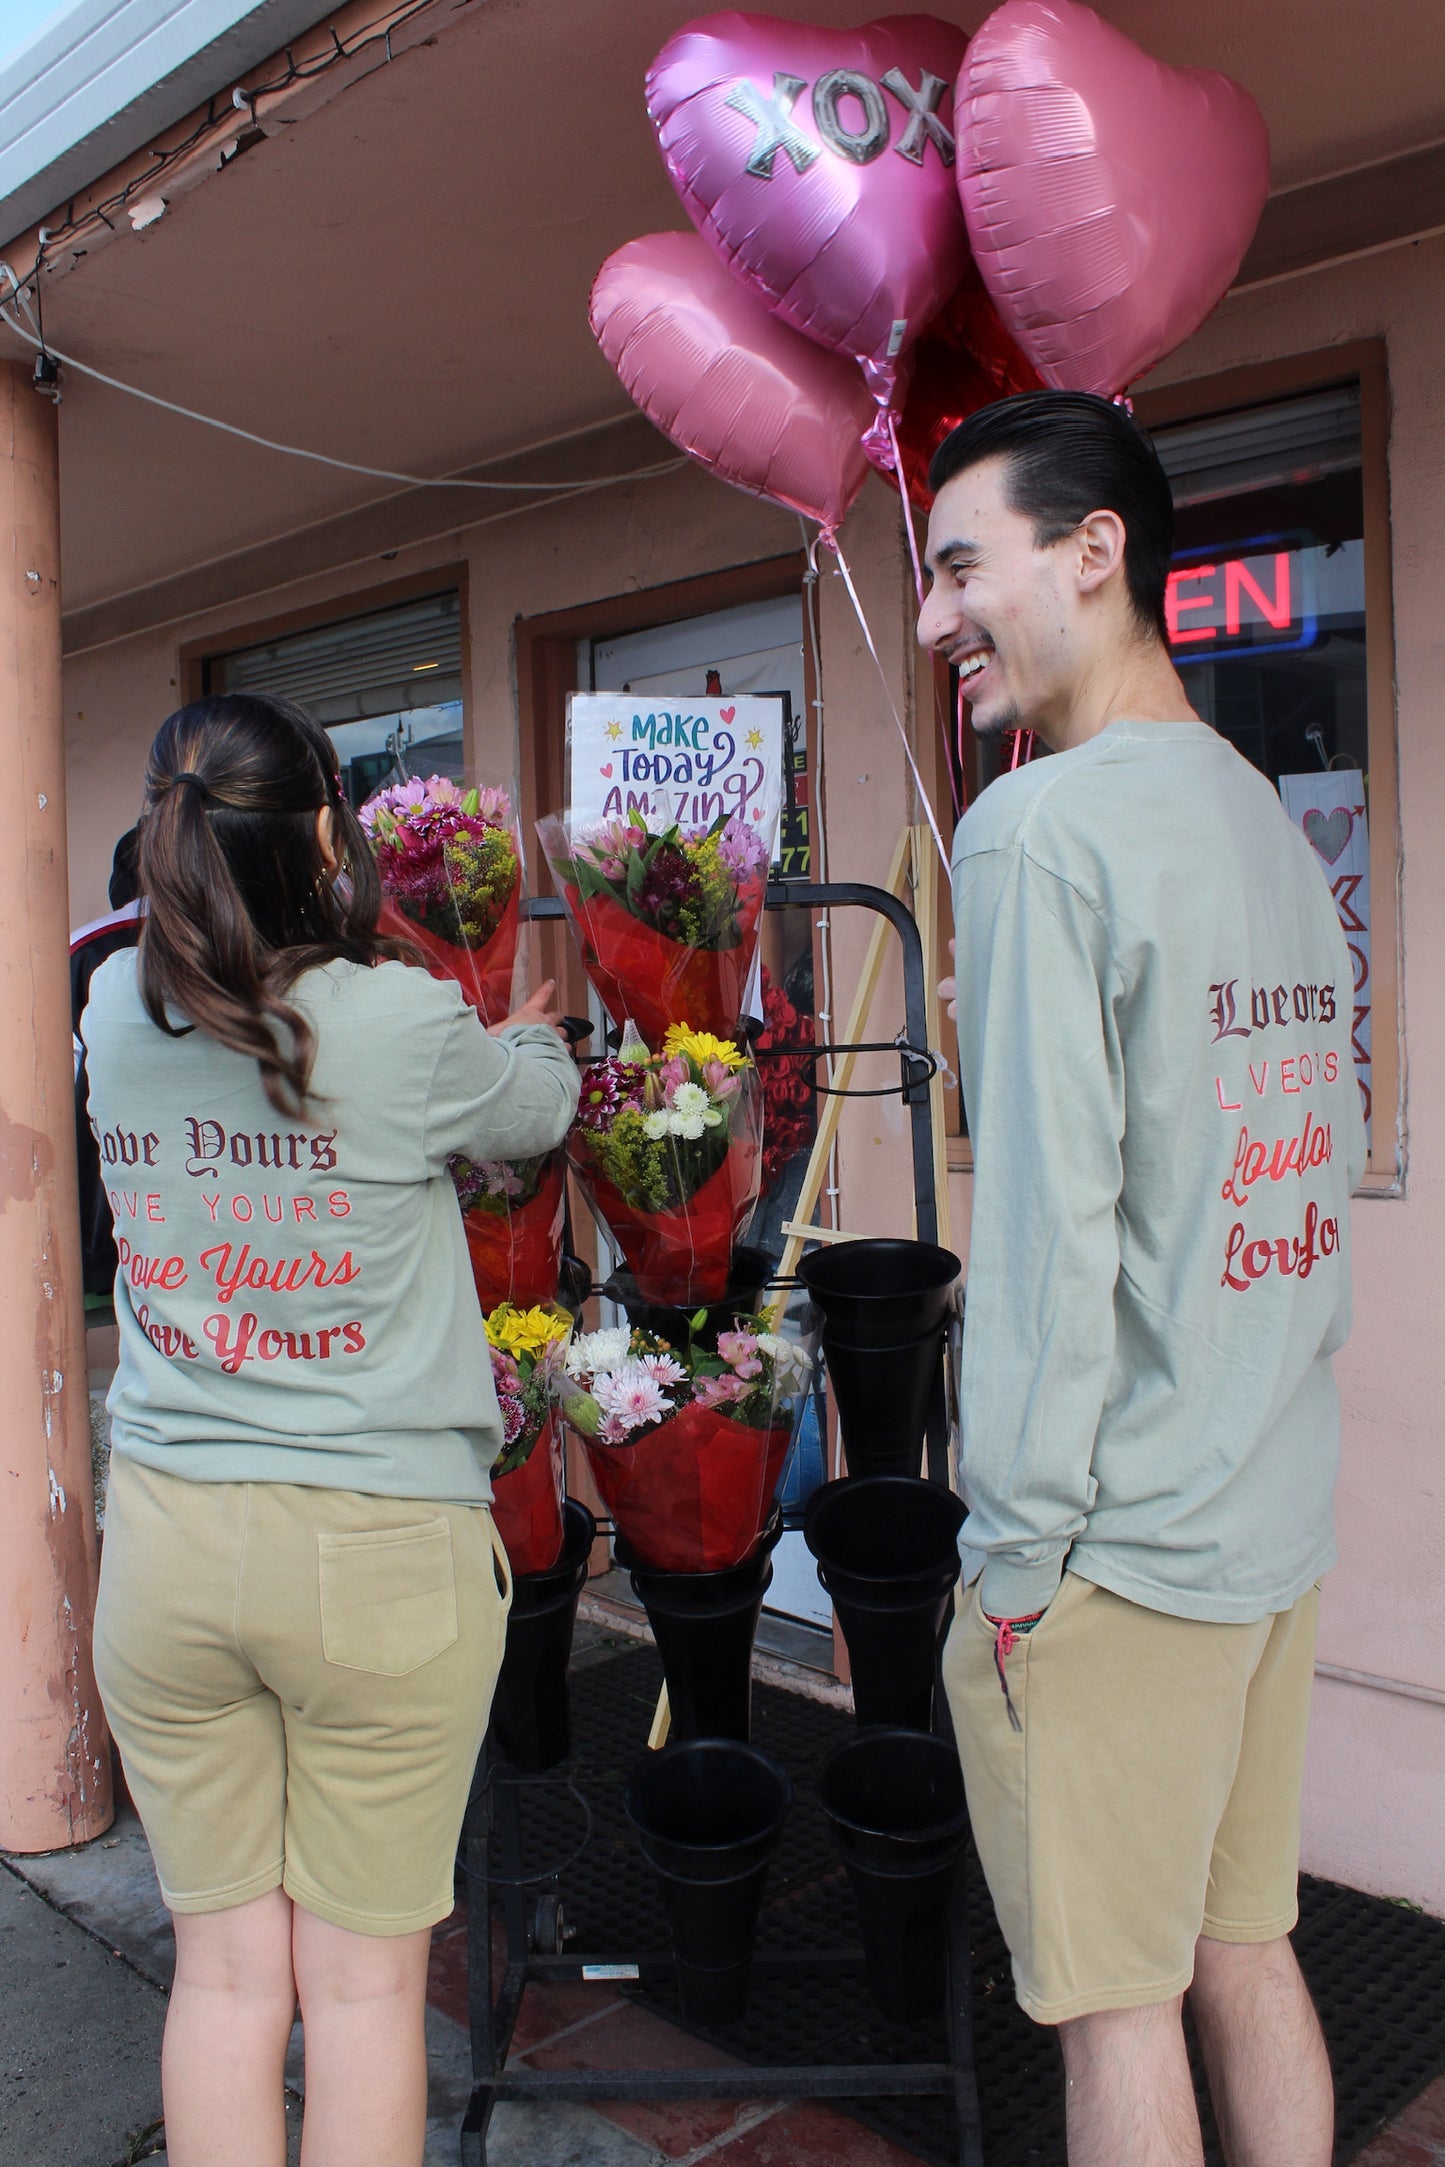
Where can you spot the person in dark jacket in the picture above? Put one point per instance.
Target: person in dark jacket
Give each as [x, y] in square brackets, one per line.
[89, 948]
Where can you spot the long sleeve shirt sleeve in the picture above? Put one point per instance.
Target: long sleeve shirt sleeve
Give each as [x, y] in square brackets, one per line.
[1043, 1086]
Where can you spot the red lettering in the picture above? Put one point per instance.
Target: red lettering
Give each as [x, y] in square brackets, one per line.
[303, 1208]
[153, 1211]
[338, 1204]
[1332, 1068]
[1238, 580]
[233, 1347]
[324, 1339]
[1261, 1079]
[1226, 1106]
[1175, 602]
[354, 1338]
[1286, 1075]
[298, 1347]
[1344, 891]
[213, 1205]
[236, 1211]
[275, 1216]
[268, 1346]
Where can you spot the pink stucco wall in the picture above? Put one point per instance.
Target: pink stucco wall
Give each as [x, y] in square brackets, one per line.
[1375, 1809]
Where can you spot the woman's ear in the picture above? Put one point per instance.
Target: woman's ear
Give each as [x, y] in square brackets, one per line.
[326, 841]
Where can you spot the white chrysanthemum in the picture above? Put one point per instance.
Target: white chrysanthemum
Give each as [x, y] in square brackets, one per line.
[690, 1126]
[788, 1358]
[594, 1351]
[655, 1126]
[632, 1395]
[690, 1100]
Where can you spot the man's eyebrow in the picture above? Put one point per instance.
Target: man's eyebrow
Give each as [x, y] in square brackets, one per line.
[946, 550]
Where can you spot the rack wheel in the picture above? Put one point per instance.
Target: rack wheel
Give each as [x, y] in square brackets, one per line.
[549, 1928]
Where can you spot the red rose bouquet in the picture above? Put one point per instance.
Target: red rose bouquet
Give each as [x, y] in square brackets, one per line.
[686, 1448]
[529, 1478]
[512, 1218]
[789, 1097]
[667, 923]
[451, 868]
[667, 1147]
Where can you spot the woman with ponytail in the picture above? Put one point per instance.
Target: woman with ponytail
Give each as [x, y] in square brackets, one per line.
[302, 1601]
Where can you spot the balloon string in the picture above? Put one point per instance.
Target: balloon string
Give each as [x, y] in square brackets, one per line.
[907, 507]
[911, 532]
[1024, 743]
[923, 796]
[960, 794]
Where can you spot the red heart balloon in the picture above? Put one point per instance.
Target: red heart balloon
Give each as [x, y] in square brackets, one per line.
[819, 164]
[964, 360]
[1109, 198]
[750, 399]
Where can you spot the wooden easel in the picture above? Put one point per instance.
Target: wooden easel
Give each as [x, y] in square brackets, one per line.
[913, 879]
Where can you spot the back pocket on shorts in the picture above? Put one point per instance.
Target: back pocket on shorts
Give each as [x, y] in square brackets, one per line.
[388, 1598]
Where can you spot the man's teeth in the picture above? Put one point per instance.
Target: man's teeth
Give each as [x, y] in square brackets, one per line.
[972, 666]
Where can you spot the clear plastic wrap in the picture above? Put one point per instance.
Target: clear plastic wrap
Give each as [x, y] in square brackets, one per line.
[668, 1149]
[512, 1213]
[686, 1445]
[451, 865]
[666, 921]
[529, 1484]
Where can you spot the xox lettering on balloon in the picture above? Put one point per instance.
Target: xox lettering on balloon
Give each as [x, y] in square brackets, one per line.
[771, 113]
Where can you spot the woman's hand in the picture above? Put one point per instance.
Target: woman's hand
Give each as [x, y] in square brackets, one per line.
[539, 1007]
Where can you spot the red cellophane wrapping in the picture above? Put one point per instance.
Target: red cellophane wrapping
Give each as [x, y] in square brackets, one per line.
[484, 975]
[684, 1255]
[693, 1495]
[517, 1253]
[527, 1504]
[642, 974]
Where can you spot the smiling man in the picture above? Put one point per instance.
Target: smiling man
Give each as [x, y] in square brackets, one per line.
[1153, 1001]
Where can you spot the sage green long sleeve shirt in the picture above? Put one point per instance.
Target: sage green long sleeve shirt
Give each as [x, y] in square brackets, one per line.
[294, 1300]
[1154, 1012]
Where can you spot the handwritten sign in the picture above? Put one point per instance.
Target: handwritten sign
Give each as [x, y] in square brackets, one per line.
[1329, 806]
[685, 759]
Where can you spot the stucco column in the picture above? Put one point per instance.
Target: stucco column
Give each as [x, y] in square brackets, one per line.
[54, 1753]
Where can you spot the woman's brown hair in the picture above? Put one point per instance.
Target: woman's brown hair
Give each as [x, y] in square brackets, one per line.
[239, 901]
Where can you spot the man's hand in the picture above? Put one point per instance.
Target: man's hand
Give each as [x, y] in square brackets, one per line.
[948, 988]
[539, 1007]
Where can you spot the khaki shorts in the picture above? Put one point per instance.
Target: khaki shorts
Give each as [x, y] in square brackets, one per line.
[299, 1682]
[1152, 1794]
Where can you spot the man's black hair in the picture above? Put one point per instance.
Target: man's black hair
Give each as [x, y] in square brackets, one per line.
[125, 871]
[1070, 453]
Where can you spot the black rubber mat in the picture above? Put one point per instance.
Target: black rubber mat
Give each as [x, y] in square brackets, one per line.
[1377, 1969]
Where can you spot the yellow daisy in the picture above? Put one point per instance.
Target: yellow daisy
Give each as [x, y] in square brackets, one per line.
[700, 1046]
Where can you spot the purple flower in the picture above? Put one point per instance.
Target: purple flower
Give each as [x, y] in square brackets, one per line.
[741, 849]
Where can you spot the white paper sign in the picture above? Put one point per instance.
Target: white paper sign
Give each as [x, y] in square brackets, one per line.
[681, 759]
[1330, 807]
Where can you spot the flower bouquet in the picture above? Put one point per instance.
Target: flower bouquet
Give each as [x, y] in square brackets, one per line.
[529, 1480]
[512, 1218]
[686, 1447]
[666, 1146]
[668, 922]
[451, 868]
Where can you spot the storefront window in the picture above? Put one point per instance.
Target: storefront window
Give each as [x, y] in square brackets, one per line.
[387, 687]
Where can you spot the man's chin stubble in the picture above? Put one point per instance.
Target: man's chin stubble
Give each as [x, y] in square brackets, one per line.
[993, 727]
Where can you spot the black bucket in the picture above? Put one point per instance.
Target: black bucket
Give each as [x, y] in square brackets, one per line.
[894, 1801]
[880, 1293]
[884, 1308]
[704, 1625]
[531, 1715]
[750, 1272]
[887, 1551]
[709, 1814]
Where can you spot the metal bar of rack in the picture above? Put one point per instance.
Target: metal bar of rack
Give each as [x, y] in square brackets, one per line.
[496, 1797]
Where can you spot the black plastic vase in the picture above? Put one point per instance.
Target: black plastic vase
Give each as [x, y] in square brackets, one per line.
[750, 1272]
[884, 1308]
[704, 1625]
[887, 1551]
[709, 1814]
[894, 1802]
[531, 1713]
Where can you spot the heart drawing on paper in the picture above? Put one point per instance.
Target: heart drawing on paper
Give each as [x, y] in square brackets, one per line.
[726, 713]
[607, 771]
[1329, 832]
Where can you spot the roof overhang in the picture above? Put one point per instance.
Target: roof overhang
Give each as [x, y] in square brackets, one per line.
[96, 86]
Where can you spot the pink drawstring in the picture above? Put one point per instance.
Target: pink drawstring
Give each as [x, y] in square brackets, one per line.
[1004, 1643]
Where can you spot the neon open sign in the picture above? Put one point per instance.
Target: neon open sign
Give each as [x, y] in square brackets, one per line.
[1253, 598]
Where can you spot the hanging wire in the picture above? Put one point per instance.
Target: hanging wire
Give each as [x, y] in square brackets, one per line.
[555, 487]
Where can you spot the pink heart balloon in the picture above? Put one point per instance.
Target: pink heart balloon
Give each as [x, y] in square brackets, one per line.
[819, 164]
[732, 386]
[1109, 198]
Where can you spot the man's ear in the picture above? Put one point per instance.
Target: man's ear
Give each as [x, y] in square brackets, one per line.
[1099, 542]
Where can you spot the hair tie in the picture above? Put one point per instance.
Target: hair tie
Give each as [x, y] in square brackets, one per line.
[188, 775]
